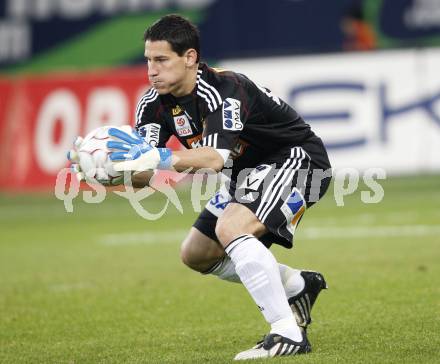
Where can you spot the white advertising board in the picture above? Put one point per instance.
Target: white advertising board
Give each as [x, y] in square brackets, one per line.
[378, 109]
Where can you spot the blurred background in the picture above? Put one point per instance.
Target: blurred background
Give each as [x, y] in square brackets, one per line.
[365, 74]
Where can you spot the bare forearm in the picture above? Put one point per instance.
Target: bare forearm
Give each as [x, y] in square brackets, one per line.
[205, 157]
[192, 159]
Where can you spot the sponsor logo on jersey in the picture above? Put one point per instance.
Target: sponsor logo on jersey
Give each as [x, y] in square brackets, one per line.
[183, 127]
[293, 208]
[151, 133]
[231, 114]
[177, 110]
[195, 142]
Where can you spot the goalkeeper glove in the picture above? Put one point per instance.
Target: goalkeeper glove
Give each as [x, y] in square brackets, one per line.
[133, 153]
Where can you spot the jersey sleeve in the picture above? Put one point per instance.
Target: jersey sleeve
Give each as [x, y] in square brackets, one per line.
[148, 122]
[224, 126]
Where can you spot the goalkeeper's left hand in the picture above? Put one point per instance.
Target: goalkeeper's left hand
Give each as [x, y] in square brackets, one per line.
[133, 153]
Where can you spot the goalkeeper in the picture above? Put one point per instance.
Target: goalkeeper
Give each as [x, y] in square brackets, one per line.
[223, 117]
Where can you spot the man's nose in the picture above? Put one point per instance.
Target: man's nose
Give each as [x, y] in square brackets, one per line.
[152, 71]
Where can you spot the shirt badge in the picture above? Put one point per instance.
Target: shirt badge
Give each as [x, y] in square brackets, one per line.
[183, 127]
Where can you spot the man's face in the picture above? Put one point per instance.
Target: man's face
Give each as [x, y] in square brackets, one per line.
[166, 69]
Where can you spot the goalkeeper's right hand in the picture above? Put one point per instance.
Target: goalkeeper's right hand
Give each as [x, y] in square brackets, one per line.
[73, 157]
[75, 167]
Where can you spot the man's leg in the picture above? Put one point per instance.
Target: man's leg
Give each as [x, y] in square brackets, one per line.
[199, 252]
[258, 270]
[202, 252]
[205, 255]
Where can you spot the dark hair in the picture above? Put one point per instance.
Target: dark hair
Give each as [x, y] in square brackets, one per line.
[176, 30]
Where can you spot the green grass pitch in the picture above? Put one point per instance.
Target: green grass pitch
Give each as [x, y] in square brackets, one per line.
[102, 285]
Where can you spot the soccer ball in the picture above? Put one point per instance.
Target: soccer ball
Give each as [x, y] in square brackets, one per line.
[93, 156]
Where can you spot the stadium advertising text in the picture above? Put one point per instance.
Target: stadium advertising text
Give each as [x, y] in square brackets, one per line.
[40, 116]
[376, 109]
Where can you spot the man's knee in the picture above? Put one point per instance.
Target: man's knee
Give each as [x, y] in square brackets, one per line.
[185, 254]
[199, 252]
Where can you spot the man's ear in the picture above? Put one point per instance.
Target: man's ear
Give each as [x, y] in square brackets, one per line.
[191, 57]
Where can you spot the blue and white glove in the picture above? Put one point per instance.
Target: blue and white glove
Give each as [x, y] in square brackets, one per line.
[133, 153]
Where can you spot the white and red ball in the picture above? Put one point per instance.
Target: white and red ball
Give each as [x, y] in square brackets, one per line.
[93, 154]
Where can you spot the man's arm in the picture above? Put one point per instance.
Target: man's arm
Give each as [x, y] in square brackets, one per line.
[141, 179]
[204, 157]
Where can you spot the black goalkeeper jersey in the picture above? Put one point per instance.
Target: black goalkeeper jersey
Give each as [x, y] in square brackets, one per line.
[226, 110]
